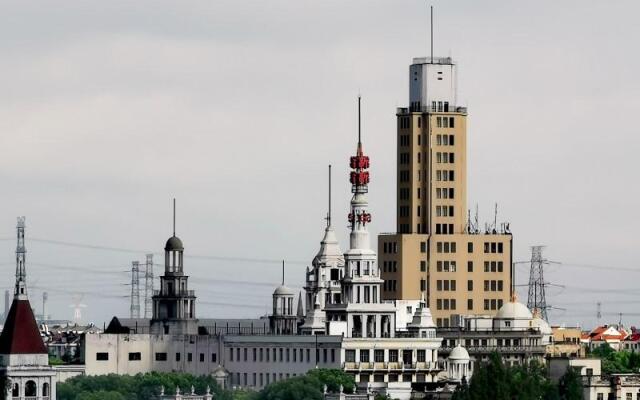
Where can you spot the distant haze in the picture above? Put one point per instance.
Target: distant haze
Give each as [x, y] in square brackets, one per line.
[108, 110]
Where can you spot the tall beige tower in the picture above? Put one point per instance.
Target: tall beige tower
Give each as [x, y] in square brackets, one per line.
[437, 250]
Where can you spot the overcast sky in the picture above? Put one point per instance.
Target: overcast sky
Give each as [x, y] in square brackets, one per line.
[110, 109]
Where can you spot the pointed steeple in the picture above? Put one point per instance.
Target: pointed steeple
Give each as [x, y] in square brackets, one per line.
[20, 291]
[300, 310]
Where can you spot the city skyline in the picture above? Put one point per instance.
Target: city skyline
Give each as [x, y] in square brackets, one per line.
[102, 130]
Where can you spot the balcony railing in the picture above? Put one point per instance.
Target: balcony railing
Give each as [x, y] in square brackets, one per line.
[394, 366]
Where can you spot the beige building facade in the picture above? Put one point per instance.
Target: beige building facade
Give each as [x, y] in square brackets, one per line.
[437, 250]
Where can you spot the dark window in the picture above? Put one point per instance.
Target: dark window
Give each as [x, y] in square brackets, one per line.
[135, 356]
[469, 266]
[451, 122]
[470, 285]
[378, 355]
[423, 247]
[350, 355]
[423, 266]
[189, 357]
[364, 355]
[177, 356]
[102, 356]
[393, 355]
[214, 358]
[470, 304]
[201, 357]
[161, 356]
[423, 285]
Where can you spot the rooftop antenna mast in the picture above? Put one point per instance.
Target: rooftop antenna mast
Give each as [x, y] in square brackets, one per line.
[282, 272]
[174, 217]
[359, 141]
[431, 34]
[329, 212]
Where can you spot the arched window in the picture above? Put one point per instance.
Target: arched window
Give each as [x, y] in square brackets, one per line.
[45, 389]
[15, 390]
[30, 389]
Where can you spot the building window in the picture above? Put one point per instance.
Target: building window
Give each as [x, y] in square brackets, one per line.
[177, 356]
[161, 356]
[469, 304]
[135, 356]
[378, 355]
[350, 355]
[364, 355]
[102, 356]
[423, 266]
[470, 247]
[213, 357]
[469, 266]
[245, 354]
[422, 356]
[393, 355]
[423, 285]
[255, 355]
[201, 357]
[189, 357]
[423, 247]
[470, 286]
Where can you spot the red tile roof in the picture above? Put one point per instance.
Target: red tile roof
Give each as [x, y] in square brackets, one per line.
[20, 334]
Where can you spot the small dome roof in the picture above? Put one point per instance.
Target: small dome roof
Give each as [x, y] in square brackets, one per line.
[542, 325]
[514, 310]
[174, 243]
[283, 291]
[459, 353]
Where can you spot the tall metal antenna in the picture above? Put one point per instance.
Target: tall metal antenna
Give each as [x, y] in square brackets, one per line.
[329, 213]
[148, 286]
[536, 299]
[359, 123]
[134, 308]
[282, 272]
[174, 217]
[431, 34]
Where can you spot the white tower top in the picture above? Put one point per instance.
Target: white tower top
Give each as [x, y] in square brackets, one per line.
[21, 273]
[433, 84]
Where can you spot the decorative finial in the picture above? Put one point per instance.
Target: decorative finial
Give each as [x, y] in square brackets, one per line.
[193, 390]
[329, 212]
[162, 390]
[177, 390]
[282, 272]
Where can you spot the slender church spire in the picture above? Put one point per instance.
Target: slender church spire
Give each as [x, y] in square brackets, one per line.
[359, 216]
[21, 272]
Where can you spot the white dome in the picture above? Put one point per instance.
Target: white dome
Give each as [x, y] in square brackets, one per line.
[459, 353]
[542, 325]
[283, 291]
[514, 310]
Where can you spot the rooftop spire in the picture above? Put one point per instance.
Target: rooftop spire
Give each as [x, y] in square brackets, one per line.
[282, 272]
[174, 216]
[329, 212]
[21, 272]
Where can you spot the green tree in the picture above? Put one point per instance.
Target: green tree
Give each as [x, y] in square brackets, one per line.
[309, 386]
[570, 386]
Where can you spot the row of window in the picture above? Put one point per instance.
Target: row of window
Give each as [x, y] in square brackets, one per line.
[390, 285]
[137, 356]
[378, 356]
[445, 175]
[444, 211]
[404, 193]
[444, 193]
[492, 304]
[405, 158]
[445, 266]
[493, 266]
[444, 140]
[493, 247]
[446, 247]
[445, 158]
[403, 211]
[280, 355]
[444, 229]
[445, 122]
[390, 266]
[493, 286]
[390, 247]
[445, 304]
[446, 285]
[404, 140]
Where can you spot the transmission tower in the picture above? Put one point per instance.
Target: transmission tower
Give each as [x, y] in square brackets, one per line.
[148, 286]
[536, 299]
[135, 290]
